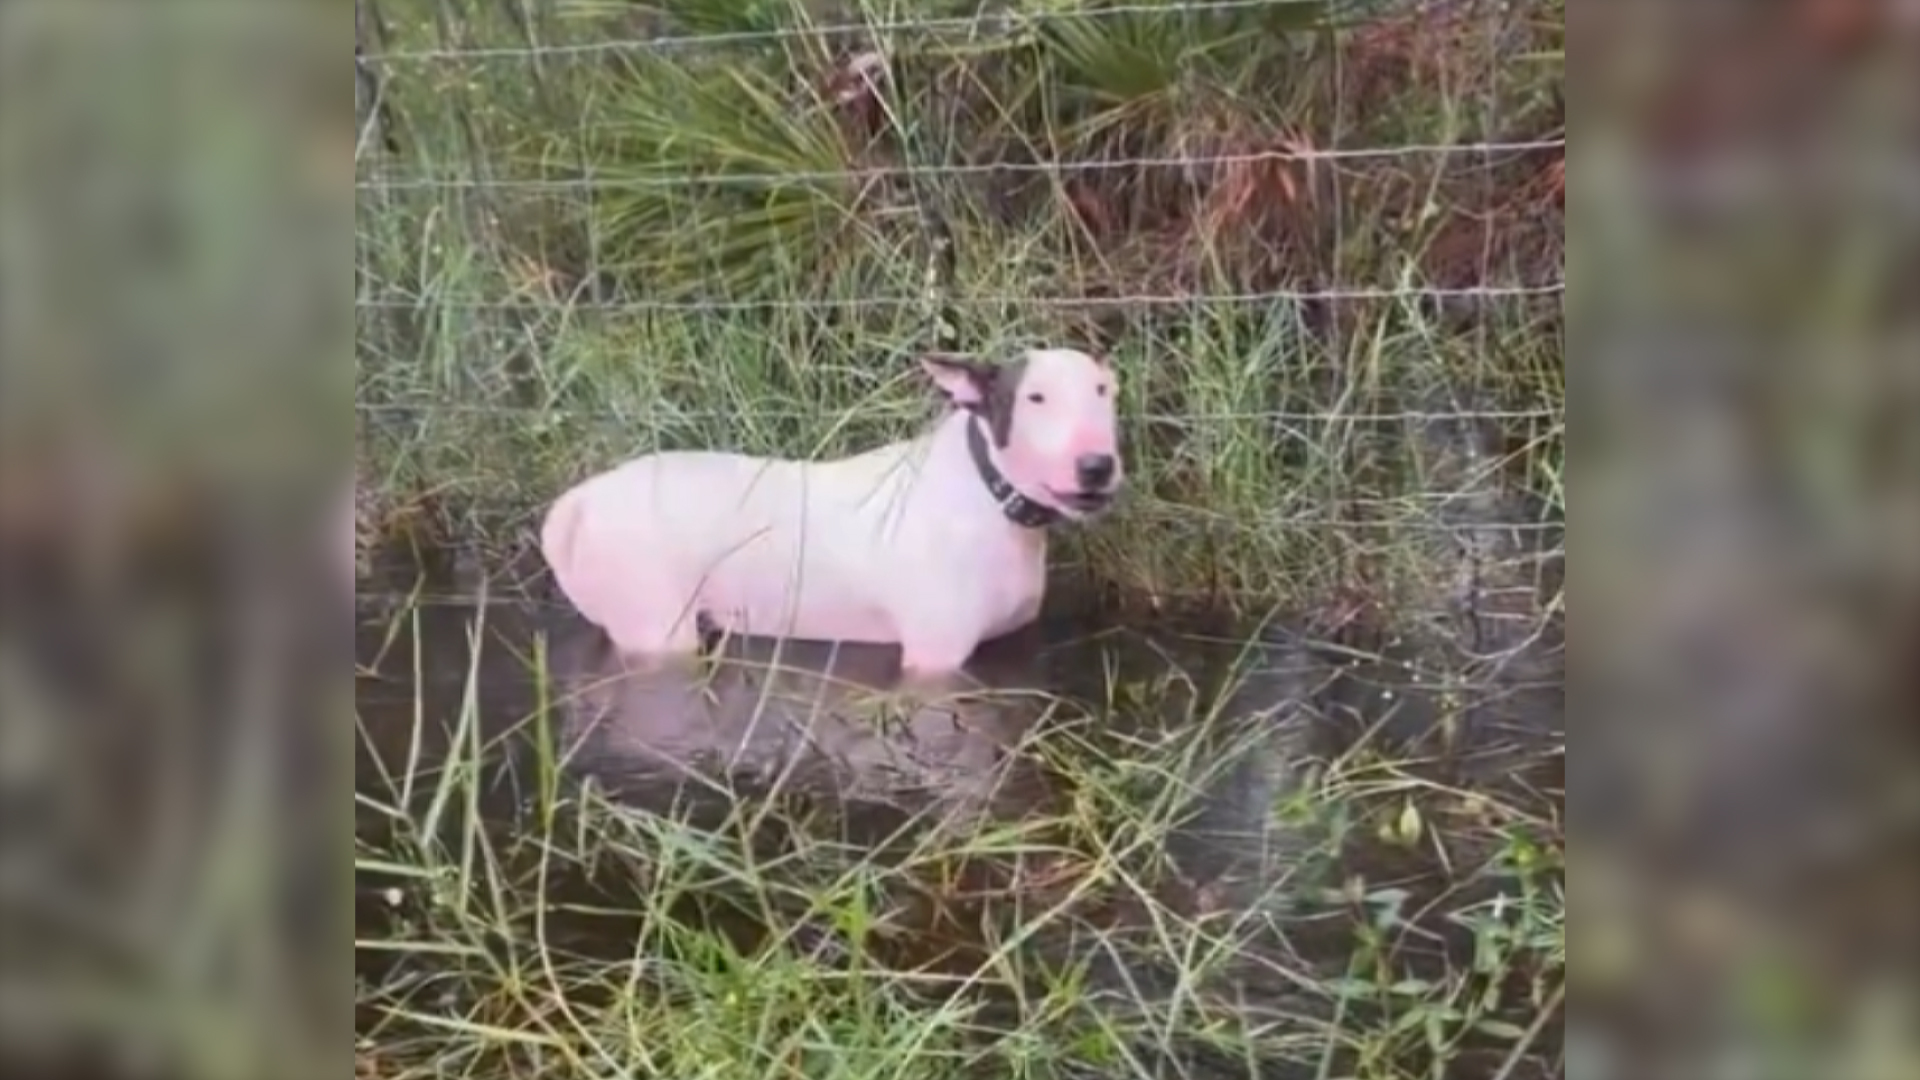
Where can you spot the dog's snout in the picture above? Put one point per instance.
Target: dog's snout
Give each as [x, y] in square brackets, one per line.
[1095, 470]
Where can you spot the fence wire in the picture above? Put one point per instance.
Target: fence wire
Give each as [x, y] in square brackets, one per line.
[1003, 23]
[1202, 163]
[828, 303]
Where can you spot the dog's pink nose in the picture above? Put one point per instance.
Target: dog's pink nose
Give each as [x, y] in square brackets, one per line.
[1095, 471]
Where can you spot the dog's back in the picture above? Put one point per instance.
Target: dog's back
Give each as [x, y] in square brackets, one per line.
[747, 539]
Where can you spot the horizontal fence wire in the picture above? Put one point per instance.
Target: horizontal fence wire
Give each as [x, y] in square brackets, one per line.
[1481, 292]
[1391, 512]
[886, 172]
[1395, 525]
[1002, 23]
[1330, 416]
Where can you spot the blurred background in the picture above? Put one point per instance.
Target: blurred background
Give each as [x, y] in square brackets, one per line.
[1747, 308]
[175, 222]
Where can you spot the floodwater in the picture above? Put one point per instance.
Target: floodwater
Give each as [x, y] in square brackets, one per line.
[1083, 723]
[1225, 724]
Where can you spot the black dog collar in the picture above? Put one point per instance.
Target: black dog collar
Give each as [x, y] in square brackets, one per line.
[1019, 509]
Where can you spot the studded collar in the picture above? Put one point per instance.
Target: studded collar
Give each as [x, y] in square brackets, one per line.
[1019, 509]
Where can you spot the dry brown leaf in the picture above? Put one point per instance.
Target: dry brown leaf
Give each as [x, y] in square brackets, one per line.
[1090, 208]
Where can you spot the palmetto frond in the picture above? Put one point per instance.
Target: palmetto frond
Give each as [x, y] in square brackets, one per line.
[724, 16]
[1125, 56]
[709, 169]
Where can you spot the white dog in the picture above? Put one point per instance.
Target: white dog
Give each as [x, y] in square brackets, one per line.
[935, 544]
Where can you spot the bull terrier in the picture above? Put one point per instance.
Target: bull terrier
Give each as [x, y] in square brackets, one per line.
[935, 543]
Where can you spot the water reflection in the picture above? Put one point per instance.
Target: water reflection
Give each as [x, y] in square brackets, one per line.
[824, 720]
[527, 683]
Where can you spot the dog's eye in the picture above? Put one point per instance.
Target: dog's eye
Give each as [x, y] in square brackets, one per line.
[1037, 399]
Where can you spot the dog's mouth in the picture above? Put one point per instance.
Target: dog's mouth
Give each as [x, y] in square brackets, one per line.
[1083, 502]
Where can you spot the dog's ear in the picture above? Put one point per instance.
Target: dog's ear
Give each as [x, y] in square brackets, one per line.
[966, 381]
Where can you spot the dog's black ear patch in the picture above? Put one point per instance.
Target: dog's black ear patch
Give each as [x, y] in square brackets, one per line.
[1001, 398]
[988, 390]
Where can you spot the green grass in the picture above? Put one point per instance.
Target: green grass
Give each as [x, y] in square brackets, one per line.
[581, 253]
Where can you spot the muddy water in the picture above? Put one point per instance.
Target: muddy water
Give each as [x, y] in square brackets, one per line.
[829, 725]
[1226, 724]
[1208, 728]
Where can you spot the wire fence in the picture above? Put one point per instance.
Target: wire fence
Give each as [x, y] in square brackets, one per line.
[1006, 22]
[1491, 151]
[462, 249]
[830, 303]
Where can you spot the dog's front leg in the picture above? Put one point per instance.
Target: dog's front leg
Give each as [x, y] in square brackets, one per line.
[934, 662]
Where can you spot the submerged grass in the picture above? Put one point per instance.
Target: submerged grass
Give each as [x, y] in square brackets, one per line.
[513, 920]
[570, 253]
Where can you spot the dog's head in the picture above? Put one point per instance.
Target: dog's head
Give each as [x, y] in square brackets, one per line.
[1050, 415]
